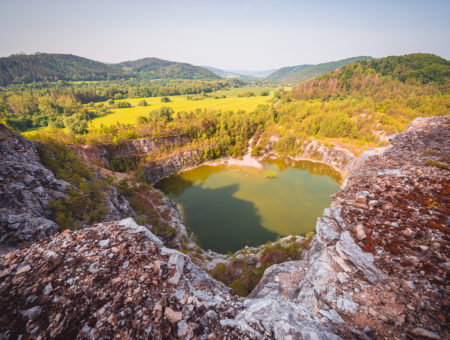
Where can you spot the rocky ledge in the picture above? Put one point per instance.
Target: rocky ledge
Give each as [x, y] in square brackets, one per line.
[377, 269]
[26, 188]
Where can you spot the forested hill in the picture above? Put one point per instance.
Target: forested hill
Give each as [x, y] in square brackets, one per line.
[301, 73]
[154, 68]
[22, 68]
[384, 75]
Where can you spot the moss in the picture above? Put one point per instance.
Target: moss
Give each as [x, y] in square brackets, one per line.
[437, 164]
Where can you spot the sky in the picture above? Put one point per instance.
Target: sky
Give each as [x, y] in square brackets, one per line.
[228, 34]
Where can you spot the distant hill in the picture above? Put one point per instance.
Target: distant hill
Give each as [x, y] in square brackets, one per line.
[286, 72]
[301, 73]
[378, 76]
[223, 73]
[21, 68]
[242, 74]
[254, 74]
[154, 68]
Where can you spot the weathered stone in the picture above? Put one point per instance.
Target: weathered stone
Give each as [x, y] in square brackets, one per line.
[425, 333]
[32, 313]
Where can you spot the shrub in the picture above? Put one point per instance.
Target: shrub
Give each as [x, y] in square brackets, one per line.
[165, 100]
[271, 174]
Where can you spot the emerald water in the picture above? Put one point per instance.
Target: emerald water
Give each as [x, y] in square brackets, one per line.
[230, 207]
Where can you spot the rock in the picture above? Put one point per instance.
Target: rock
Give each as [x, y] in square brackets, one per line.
[360, 231]
[425, 333]
[183, 328]
[32, 313]
[26, 191]
[104, 243]
[176, 260]
[24, 269]
[131, 225]
[407, 232]
[172, 315]
[208, 317]
[48, 289]
[347, 247]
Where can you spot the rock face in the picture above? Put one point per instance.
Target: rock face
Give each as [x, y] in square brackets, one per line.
[155, 171]
[26, 188]
[117, 279]
[114, 279]
[337, 157]
[377, 268]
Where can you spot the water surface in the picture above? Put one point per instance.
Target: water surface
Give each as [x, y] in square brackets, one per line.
[230, 207]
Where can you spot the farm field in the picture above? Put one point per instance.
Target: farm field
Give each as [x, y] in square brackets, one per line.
[181, 103]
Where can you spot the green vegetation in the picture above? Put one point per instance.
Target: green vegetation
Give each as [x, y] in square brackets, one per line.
[85, 200]
[271, 174]
[143, 201]
[31, 107]
[242, 275]
[44, 67]
[437, 164]
[301, 73]
[354, 106]
[153, 68]
[22, 68]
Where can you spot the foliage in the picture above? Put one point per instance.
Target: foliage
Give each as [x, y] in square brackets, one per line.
[153, 68]
[137, 197]
[271, 174]
[83, 204]
[302, 73]
[85, 200]
[242, 275]
[21, 68]
[62, 161]
[165, 100]
[77, 124]
[28, 107]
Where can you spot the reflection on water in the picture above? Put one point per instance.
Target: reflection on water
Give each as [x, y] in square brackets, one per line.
[230, 207]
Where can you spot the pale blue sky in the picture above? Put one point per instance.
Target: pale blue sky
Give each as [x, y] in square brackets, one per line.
[246, 34]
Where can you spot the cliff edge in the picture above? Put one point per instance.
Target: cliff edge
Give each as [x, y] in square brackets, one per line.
[377, 268]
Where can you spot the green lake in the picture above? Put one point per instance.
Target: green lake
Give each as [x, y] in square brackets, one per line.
[229, 207]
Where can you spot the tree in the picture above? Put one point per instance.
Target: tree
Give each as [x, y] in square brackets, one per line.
[165, 100]
[77, 124]
[164, 114]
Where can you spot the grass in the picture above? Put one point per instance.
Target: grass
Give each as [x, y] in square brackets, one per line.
[181, 103]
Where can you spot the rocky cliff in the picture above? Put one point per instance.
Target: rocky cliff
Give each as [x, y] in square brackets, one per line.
[377, 269]
[378, 266]
[26, 188]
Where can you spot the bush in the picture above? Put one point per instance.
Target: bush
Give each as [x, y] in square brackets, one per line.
[165, 100]
[271, 174]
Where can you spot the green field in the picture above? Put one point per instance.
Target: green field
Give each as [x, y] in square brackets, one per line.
[181, 103]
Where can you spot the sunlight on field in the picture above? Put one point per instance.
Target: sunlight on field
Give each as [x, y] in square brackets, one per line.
[181, 103]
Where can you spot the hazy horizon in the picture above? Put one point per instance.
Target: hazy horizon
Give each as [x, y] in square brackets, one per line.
[233, 35]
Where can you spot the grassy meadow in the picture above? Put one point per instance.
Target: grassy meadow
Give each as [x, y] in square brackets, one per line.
[181, 103]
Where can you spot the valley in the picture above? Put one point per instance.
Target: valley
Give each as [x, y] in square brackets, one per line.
[323, 205]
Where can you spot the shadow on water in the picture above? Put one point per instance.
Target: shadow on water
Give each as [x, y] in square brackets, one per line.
[221, 222]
